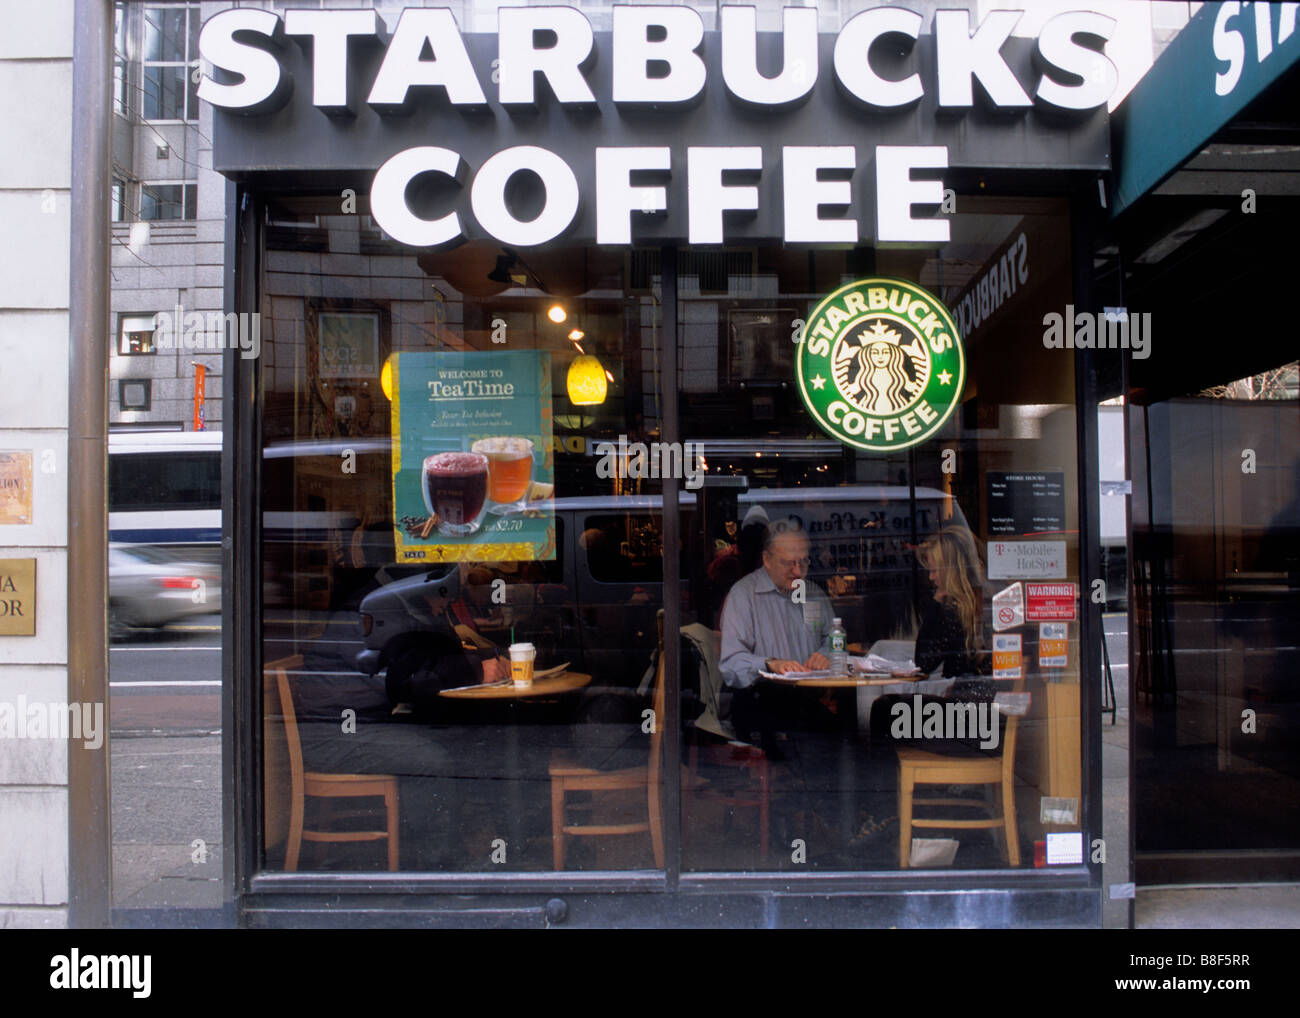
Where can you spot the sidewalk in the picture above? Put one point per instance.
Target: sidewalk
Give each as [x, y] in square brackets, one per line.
[1248, 907]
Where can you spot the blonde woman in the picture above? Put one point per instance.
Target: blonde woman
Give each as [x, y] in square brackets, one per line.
[952, 628]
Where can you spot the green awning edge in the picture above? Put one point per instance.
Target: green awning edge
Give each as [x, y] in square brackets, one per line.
[1174, 109]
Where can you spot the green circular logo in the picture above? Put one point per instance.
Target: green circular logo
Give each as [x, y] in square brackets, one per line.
[880, 365]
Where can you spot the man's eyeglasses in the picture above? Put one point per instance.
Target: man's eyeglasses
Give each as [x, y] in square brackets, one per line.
[790, 563]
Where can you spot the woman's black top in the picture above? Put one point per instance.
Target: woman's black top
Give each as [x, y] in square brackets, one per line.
[942, 640]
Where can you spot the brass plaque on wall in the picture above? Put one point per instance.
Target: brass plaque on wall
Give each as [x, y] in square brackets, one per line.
[15, 487]
[17, 597]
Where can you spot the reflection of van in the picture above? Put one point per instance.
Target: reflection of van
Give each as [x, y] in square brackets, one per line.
[326, 519]
[595, 604]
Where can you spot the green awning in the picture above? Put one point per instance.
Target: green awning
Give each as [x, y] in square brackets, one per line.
[1226, 56]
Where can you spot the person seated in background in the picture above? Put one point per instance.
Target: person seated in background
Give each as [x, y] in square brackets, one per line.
[738, 557]
[449, 662]
[770, 623]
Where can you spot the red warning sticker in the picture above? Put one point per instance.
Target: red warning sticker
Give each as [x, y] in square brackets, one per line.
[1051, 602]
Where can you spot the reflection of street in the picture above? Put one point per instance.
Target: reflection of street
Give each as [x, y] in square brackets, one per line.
[167, 681]
[165, 717]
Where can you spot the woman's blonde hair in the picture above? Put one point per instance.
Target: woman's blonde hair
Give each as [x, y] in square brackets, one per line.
[952, 553]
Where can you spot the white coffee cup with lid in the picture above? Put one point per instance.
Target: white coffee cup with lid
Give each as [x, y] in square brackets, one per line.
[522, 656]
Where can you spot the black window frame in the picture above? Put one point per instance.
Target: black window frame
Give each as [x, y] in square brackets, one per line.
[889, 897]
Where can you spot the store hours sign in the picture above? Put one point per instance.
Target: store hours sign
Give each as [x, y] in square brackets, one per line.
[658, 130]
[880, 365]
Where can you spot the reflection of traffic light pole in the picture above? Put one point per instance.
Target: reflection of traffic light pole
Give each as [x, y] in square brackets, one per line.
[200, 394]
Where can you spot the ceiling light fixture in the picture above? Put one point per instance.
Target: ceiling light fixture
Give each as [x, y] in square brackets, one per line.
[586, 381]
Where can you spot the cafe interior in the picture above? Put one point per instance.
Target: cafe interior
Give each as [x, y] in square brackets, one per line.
[625, 753]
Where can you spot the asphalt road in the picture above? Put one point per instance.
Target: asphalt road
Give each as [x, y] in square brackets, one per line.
[167, 681]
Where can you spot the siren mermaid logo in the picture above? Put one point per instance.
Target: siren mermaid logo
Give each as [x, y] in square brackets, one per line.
[880, 365]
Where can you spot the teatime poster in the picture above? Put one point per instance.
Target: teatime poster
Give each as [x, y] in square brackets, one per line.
[473, 468]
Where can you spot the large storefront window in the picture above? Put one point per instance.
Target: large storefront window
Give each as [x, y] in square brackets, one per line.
[465, 452]
[907, 548]
[486, 382]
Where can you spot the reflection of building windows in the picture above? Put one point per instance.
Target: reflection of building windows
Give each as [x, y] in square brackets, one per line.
[120, 104]
[170, 57]
[135, 393]
[135, 334]
[168, 201]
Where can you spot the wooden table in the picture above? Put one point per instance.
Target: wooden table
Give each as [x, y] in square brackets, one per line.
[565, 682]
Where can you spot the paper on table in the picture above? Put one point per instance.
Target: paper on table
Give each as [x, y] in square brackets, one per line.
[823, 673]
[883, 665]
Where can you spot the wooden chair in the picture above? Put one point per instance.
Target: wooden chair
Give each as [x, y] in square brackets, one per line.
[922, 767]
[304, 784]
[567, 777]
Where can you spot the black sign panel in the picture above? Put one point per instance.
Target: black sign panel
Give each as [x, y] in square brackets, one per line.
[1026, 504]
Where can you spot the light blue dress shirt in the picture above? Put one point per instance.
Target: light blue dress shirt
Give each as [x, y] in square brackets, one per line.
[760, 622]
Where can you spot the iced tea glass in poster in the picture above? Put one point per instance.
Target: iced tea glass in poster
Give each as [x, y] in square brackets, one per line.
[473, 468]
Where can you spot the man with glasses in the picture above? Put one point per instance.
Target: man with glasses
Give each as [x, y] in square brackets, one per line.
[774, 620]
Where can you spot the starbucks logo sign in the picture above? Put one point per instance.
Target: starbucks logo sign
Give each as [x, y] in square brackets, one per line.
[880, 365]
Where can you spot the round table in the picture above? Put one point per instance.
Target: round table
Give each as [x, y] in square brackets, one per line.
[565, 682]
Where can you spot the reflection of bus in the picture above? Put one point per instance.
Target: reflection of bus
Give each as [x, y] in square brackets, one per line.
[164, 489]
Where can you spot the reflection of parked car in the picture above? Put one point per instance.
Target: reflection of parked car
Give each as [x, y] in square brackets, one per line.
[148, 587]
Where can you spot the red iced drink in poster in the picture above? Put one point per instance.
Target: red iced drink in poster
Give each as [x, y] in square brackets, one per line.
[455, 488]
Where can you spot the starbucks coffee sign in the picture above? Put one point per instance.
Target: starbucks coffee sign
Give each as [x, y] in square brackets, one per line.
[880, 365]
[661, 124]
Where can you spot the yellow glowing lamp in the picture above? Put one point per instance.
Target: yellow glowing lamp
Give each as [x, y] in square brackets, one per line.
[586, 381]
[386, 379]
